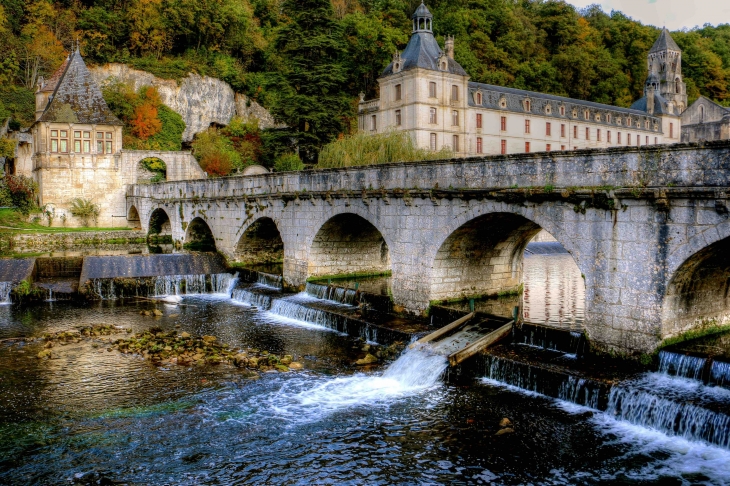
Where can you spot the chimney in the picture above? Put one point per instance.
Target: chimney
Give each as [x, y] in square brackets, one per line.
[650, 100]
[449, 46]
[41, 98]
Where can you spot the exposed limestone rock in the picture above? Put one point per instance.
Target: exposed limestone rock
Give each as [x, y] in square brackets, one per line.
[200, 100]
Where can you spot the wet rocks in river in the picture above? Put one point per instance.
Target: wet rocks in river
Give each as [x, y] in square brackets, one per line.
[172, 348]
[367, 360]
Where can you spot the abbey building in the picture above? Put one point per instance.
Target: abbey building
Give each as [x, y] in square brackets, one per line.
[425, 92]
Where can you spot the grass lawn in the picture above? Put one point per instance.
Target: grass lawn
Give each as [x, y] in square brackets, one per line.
[12, 221]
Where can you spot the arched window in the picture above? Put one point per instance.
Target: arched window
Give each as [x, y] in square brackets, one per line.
[677, 86]
[702, 114]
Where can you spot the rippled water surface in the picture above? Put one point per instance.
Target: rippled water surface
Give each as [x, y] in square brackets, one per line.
[101, 417]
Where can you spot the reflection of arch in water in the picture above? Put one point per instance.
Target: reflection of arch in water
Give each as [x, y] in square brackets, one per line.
[199, 237]
[698, 294]
[260, 243]
[347, 244]
[159, 223]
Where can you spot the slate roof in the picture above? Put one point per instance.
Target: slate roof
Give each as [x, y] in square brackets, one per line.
[423, 51]
[51, 83]
[660, 105]
[422, 11]
[76, 97]
[664, 42]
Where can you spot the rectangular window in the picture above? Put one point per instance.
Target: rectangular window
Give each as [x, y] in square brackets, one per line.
[671, 130]
[479, 120]
[432, 115]
[618, 138]
[647, 140]
[454, 93]
[373, 122]
[548, 129]
[527, 147]
[87, 142]
[479, 145]
[433, 142]
[598, 134]
[608, 136]
[547, 147]
[588, 133]
[562, 129]
[503, 123]
[503, 147]
[397, 92]
[562, 147]
[628, 139]
[63, 146]
[656, 140]
[108, 147]
[455, 144]
[455, 118]
[431, 89]
[54, 145]
[77, 141]
[99, 142]
[638, 140]
[527, 126]
[575, 131]
[397, 117]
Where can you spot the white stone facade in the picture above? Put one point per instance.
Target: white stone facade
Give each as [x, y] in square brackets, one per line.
[427, 94]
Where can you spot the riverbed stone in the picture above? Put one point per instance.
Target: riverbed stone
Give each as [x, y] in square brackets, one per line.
[367, 360]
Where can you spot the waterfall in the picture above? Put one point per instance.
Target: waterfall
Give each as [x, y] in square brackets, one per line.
[340, 295]
[5, 289]
[681, 365]
[673, 417]
[720, 373]
[295, 309]
[270, 280]
[219, 283]
[244, 296]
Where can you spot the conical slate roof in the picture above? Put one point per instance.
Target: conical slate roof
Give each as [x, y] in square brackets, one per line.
[421, 12]
[664, 42]
[51, 83]
[423, 51]
[77, 98]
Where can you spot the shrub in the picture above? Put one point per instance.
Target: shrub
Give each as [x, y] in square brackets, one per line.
[288, 162]
[84, 209]
[22, 191]
[156, 166]
[365, 149]
[215, 153]
[7, 147]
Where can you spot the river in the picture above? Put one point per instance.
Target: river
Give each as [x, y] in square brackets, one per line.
[93, 416]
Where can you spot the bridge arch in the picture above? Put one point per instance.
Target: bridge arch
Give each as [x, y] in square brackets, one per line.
[133, 218]
[159, 223]
[698, 293]
[261, 242]
[199, 236]
[481, 252]
[348, 243]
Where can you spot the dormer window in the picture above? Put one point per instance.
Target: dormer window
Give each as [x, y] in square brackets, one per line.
[598, 117]
[444, 65]
[478, 98]
[618, 121]
[575, 113]
[608, 118]
[586, 114]
[502, 103]
[527, 105]
[562, 111]
[548, 109]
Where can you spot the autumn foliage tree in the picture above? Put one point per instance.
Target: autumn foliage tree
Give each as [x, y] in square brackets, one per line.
[145, 123]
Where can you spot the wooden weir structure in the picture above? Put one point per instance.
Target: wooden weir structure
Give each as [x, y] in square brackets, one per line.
[466, 336]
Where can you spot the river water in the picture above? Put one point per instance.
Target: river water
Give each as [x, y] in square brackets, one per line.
[94, 416]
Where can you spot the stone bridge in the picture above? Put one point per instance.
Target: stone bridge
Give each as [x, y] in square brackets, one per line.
[648, 227]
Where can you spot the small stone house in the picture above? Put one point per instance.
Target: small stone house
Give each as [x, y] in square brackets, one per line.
[705, 120]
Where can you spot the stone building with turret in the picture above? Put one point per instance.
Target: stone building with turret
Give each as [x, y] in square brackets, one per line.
[426, 93]
[75, 150]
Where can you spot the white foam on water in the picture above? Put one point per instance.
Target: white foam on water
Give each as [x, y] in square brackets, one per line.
[271, 317]
[5, 289]
[416, 371]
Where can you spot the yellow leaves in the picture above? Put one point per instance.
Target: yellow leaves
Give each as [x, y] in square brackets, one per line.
[145, 122]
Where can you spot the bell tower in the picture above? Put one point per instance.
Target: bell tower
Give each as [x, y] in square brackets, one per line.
[664, 64]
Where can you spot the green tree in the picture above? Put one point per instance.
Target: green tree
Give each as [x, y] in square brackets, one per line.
[312, 101]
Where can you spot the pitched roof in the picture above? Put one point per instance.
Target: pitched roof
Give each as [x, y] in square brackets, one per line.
[664, 42]
[51, 83]
[77, 98]
[423, 51]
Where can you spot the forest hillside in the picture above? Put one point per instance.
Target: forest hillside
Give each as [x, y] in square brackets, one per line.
[307, 60]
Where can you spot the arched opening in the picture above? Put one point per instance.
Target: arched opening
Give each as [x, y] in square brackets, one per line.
[160, 223]
[348, 244]
[508, 256]
[199, 237]
[677, 86]
[151, 170]
[133, 217]
[702, 114]
[260, 243]
[697, 295]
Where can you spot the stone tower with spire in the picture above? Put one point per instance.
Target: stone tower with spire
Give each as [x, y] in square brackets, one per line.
[664, 91]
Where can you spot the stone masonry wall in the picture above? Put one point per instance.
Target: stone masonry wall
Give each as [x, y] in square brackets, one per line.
[631, 218]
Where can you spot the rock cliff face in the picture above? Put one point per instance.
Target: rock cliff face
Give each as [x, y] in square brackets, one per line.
[200, 100]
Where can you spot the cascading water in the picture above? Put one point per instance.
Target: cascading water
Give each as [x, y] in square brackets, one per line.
[255, 299]
[681, 365]
[270, 280]
[340, 295]
[221, 283]
[5, 289]
[720, 373]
